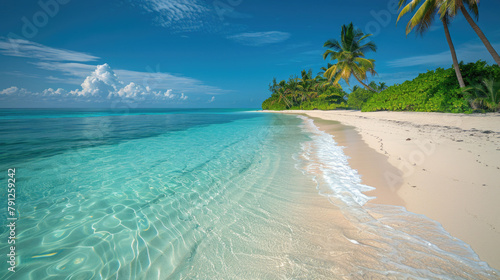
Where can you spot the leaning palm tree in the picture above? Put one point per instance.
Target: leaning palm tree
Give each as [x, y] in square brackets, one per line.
[350, 56]
[422, 20]
[451, 7]
[292, 90]
[282, 91]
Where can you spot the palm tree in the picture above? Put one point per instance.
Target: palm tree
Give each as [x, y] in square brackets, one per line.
[422, 20]
[282, 91]
[382, 86]
[306, 85]
[292, 90]
[350, 56]
[355, 88]
[486, 94]
[453, 6]
[323, 69]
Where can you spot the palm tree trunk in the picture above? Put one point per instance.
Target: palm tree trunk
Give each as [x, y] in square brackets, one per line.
[453, 53]
[481, 35]
[365, 85]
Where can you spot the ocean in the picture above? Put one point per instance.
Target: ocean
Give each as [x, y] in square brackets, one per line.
[206, 194]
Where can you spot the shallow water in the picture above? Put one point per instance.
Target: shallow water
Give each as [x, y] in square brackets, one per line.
[205, 194]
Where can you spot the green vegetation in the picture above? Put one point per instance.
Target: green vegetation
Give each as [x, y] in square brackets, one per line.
[447, 10]
[438, 91]
[359, 96]
[434, 91]
[350, 56]
[453, 6]
[485, 96]
[422, 20]
[465, 88]
[304, 93]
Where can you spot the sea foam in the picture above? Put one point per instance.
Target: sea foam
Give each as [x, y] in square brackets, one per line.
[413, 245]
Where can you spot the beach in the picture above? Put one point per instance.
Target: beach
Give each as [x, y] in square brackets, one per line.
[444, 166]
[213, 194]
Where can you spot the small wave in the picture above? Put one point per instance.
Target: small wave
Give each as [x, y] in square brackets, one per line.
[407, 243]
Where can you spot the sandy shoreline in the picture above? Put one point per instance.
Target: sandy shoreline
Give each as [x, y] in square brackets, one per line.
[445, 166]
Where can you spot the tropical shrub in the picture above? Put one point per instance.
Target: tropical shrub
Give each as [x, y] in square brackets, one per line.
[358, 97]
[484, 96]
[306, 93]
[434, 91]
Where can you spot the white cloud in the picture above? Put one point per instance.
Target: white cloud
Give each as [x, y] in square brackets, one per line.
[11, 90]
[103, 82]
[395, 78]
[160, 80]
[191, 15]
[178, 15]
[132, 91]
[260, 38]
[167, 93]
[100, 82]
[432, 59]
[156, 80]
[51, 91]
[176, 9]
[465, 52]
[78, 70]
[24, 48]
[100, 86]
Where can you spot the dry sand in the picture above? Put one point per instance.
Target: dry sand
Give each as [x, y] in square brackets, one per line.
[445, 166]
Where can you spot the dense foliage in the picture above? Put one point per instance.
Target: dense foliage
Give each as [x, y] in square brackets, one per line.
[359, 95]
[434, 91]
[438, 91]
[306, 93]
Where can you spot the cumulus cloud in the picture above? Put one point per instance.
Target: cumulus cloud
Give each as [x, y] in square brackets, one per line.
[169, 94]
[102, 82]
[22, 92]
[25, 48]
[157, 79]
[153, 78]
[260, 38]
[54, 92]
[10, 91]
[100, 86]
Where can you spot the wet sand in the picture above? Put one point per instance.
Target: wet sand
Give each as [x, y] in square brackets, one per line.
[444, 166]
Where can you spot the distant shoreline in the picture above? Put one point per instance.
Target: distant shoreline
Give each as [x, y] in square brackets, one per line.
[445, 166]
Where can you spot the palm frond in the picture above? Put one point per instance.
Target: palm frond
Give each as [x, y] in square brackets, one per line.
[370, 46]
[423, 17]
[408, 8]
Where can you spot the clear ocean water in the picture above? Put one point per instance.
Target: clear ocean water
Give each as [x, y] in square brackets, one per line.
[205, 194]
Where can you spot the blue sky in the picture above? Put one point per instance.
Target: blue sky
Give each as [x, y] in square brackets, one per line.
[197, 53]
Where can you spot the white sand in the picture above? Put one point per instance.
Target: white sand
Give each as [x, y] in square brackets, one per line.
[445, 166]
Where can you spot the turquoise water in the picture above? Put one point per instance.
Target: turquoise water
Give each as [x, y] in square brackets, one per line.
[209, 194]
